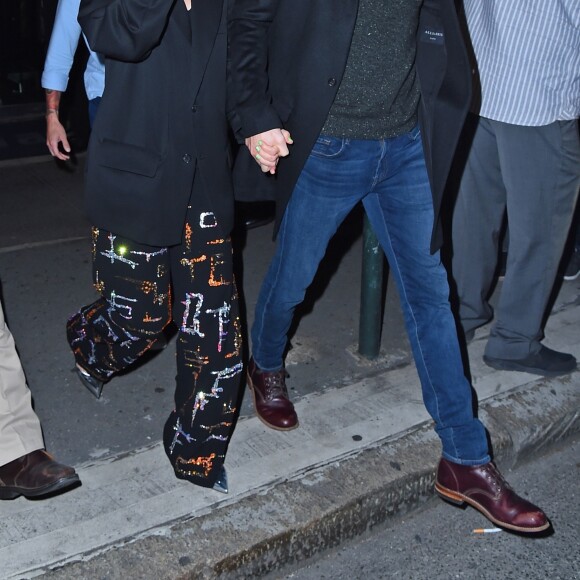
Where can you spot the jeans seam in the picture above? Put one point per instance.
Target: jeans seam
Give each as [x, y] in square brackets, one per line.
[377, 173]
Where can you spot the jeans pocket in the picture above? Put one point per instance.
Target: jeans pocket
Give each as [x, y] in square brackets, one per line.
[328, 147]
[414, 133]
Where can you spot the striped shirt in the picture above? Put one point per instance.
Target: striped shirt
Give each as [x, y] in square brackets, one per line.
[528, 59]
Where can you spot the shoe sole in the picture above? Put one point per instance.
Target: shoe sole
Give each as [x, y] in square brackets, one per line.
[460, 499]
[14, 492]
[572, 277]
[505, 365]
[251, 385]
[95, 388]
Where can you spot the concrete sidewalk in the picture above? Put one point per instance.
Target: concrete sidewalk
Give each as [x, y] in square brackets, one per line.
[365, 450]
[363, 453]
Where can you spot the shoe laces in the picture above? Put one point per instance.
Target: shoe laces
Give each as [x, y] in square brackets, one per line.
[275, 383]
[493, 475]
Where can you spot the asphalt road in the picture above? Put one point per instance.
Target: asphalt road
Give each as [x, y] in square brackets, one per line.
[439, 543]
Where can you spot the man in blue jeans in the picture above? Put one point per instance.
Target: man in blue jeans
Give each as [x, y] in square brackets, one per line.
[339, 82]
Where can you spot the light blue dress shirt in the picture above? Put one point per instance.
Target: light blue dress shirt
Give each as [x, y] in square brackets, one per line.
[61, 51]
[528, 57]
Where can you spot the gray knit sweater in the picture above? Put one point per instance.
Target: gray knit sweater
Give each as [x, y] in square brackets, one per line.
[379, 93]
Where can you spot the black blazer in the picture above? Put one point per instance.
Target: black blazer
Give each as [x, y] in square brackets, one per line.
[287, 58]
[161, 119]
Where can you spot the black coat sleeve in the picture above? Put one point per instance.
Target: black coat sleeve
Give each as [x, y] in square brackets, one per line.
[125, 30]
[250, 102]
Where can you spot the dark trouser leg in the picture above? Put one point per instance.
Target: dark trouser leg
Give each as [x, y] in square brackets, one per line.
[477, 221]
[110, 334]
[209, 363]
[540, 169]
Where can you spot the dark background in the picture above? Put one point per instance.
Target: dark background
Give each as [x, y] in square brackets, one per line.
[25, 27]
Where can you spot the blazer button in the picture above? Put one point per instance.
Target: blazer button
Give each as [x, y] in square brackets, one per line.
[187, 158]
[331, 81]
[194, 109]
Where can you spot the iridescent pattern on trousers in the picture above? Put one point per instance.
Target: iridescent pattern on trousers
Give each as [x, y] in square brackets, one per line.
[143, 289]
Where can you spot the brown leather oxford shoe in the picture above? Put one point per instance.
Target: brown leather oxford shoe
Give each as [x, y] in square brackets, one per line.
[33, 475]
[484, 488]
[273, 406]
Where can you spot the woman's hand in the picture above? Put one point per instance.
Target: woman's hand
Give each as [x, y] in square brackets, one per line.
[267, 148]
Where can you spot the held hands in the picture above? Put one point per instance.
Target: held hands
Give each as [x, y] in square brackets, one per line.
[267, 148]
[56, 134]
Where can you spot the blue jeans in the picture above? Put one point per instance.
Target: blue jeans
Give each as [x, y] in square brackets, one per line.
[390, 178]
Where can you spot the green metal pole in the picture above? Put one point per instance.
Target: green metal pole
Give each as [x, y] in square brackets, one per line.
[369, 341]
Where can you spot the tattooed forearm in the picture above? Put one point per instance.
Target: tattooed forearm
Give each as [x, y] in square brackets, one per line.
[52, 101]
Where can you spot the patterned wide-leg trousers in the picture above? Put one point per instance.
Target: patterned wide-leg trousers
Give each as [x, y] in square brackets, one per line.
[142, 289]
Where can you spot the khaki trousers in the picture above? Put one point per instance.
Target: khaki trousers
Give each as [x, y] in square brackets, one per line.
[20, 431]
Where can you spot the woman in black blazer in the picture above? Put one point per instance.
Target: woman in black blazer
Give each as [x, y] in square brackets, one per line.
[159, 193]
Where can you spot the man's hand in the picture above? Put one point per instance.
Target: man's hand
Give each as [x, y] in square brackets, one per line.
[267, 148]
[56, 134]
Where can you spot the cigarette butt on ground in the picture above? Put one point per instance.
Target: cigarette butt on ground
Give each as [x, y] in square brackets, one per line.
[486, 530]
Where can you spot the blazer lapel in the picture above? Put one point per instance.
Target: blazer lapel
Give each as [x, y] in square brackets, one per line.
[205, 16]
